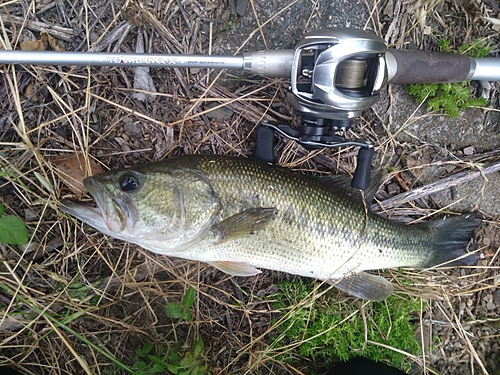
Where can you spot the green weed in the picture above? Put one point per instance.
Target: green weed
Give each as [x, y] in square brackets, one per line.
[174, 358]
[331, 331]
[12, 229]
[451, 97]
[182, 311]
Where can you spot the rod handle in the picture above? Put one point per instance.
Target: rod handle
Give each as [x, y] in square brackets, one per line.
[410, 66]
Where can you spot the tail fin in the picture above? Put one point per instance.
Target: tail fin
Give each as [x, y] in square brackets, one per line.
[452, 236]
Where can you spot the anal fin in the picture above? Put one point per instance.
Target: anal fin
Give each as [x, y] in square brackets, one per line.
[235, 268]
[364, 285]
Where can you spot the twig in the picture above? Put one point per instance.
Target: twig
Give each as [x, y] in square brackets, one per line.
[118, 33]
[247, 110]
[184, 15]
[56, 31]
[169, 39]
[445, 183]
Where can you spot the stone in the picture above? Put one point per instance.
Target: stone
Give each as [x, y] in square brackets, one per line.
[133, 129]
[469, 150]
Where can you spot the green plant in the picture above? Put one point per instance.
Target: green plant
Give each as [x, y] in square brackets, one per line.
[82, 291]
[12, 229]
[329, 330]
[451, 97]
[174, 358]
[182, 310]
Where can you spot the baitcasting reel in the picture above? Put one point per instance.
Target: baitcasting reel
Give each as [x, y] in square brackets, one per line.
[335, 76]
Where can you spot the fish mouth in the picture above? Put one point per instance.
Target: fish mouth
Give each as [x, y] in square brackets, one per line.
[104, 214]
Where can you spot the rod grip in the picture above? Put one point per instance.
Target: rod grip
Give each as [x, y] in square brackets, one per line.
[410, 66]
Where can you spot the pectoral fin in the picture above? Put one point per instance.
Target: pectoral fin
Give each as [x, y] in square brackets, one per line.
[235, 268]
[365, 286]
[243, 223]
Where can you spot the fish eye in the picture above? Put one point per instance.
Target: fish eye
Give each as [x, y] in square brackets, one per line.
[129, 183]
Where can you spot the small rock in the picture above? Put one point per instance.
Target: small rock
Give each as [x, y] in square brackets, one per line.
[450, 168]
[393, 188]
[120, 141]
[222, 113]
[133, 129]
[29, 247]
[29, 214]
[496, 297]
[241, 7]
[469, 150]
[389, 8]
[94, 37]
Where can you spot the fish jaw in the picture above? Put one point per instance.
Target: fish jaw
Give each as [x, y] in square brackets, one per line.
[90, 215]
[115, 215]
[106, 215]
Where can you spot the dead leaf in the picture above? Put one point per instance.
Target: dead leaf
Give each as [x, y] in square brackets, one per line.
[42, 43]
[73, 170]
[29, 92]
[495, 22]
[53, 43]
[134, 16]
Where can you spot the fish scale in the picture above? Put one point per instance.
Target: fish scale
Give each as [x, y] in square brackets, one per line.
[240, 215]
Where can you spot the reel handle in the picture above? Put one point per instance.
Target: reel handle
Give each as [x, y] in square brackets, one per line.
[362, 174]
[264, 144]
[264, 148]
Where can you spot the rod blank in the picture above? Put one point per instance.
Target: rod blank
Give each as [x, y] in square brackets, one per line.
[120, 59]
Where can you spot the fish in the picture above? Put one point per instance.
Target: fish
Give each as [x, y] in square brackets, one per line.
[241, 215]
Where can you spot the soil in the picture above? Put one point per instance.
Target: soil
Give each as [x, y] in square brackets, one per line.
[49, 112]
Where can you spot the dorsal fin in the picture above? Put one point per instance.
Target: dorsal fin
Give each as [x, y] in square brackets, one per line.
[343, 182]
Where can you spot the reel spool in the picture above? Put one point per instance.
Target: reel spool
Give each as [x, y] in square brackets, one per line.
[336, 74]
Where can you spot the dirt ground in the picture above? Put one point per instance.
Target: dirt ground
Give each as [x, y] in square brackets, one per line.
[74, 301]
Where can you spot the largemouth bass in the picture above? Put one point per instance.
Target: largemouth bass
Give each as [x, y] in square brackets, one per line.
[240, 215]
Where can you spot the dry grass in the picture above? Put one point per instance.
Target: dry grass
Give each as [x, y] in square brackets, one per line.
[73, 301]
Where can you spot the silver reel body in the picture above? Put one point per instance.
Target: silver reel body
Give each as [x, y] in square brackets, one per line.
[337, 74]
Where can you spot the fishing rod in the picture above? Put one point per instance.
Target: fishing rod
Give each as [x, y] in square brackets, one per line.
[335, 74]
